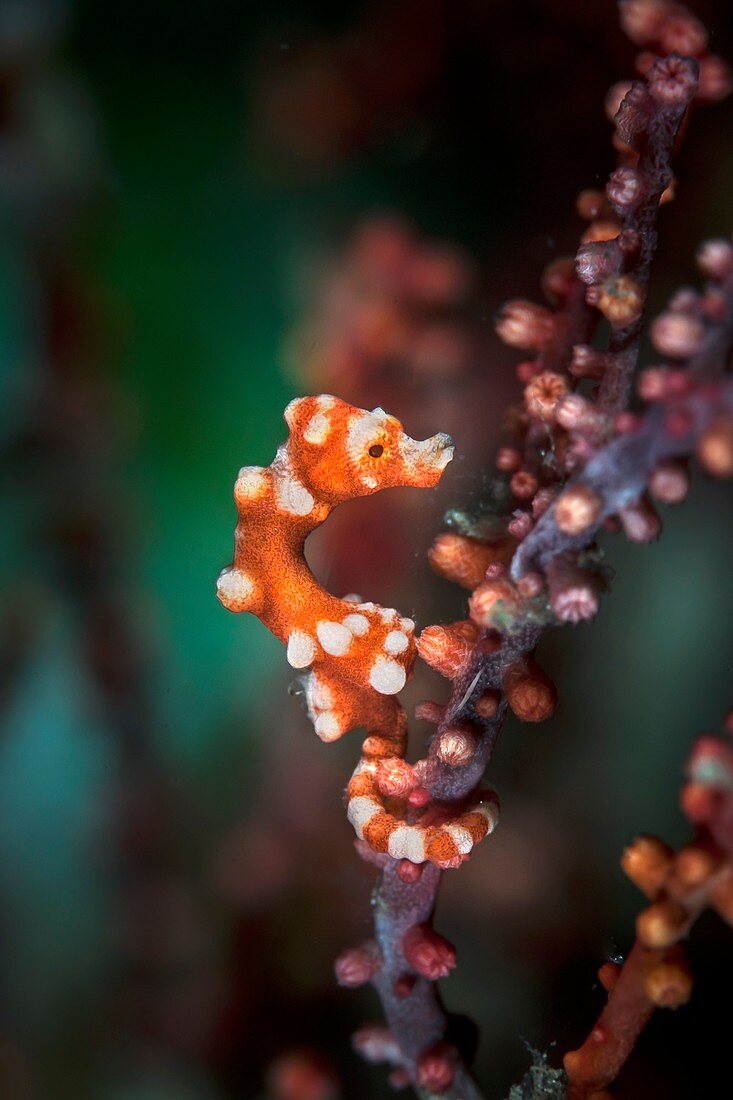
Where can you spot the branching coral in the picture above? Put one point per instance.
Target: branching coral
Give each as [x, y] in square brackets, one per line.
[679, 886]
[576, 462]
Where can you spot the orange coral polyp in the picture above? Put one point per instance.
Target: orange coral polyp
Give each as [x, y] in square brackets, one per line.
[356, 657]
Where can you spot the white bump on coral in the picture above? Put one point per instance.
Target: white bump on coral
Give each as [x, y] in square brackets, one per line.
[387, 614]
[327, 726]
[367, 606]
[395, 642]
[251, 483]
[408, 625]
[334, 637]
[234, 588]
[292, 496]
[301, 649]
[352, 597]
[461, 837]
[386, 676]
[317, 429]
[357, 624]
[407, 842]
[360, 812]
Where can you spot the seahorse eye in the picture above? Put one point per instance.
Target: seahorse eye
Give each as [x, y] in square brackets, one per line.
[376, 450]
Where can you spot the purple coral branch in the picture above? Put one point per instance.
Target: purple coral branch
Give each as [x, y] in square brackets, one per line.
[619, 472]
[648, 120]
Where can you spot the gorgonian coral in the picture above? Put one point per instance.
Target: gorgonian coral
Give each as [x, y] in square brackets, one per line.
[576, 461]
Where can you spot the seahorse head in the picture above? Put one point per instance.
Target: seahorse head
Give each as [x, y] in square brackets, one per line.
[338, 451]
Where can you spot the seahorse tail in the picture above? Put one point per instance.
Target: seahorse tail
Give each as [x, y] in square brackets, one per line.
[384, 793]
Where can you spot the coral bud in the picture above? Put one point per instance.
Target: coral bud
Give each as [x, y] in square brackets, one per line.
[621, 300]
[573, 591]
[672, 81]
[445, 648]
[435, 1068]
[418, 797]
[542, 500]
[428, 953]
[398, 1078]
[409, 872]
[530, 585]
[608, 975]
[543, 393]
[527, 370]
[487, 705]
[669, 482]
[576, 414]
[597, 261]
[587, 362]
[699, 802]
[491, 600]
[577, 509]
[601, 231]
[464, 560]
[523, 485]
[615, 97]
[715, 447]
[357, 965]
[529, 691]
[634, 113]
[456, 745]
[683, 34]
[684, 300]
[395, 777]
[428, 711]
[642, 20]
[640, 521]
[626, 188]
[558, 279]
[652, 384]
[301, 1075]
[714, 305]
[508, 459]
[677, 334]
[376, 1044]
[520, 526]
[694, 864]
[715, 79]
[525, 325]
[669, 983]
[590, 204]
[647, 861]
[662, 924]
[721, 897]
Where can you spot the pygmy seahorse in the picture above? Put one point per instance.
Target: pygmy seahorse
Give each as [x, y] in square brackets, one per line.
[358, 655]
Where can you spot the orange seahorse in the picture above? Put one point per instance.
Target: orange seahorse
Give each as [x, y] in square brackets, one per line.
[359, 655]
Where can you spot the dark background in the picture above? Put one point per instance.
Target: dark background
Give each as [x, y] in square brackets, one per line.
[176, 869]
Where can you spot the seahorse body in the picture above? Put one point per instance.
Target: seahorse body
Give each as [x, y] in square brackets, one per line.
[358, 655]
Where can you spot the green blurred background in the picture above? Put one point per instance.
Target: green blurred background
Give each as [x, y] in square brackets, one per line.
[177, 181]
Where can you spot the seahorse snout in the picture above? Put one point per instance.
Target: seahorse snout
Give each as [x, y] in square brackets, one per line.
[425, 459]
